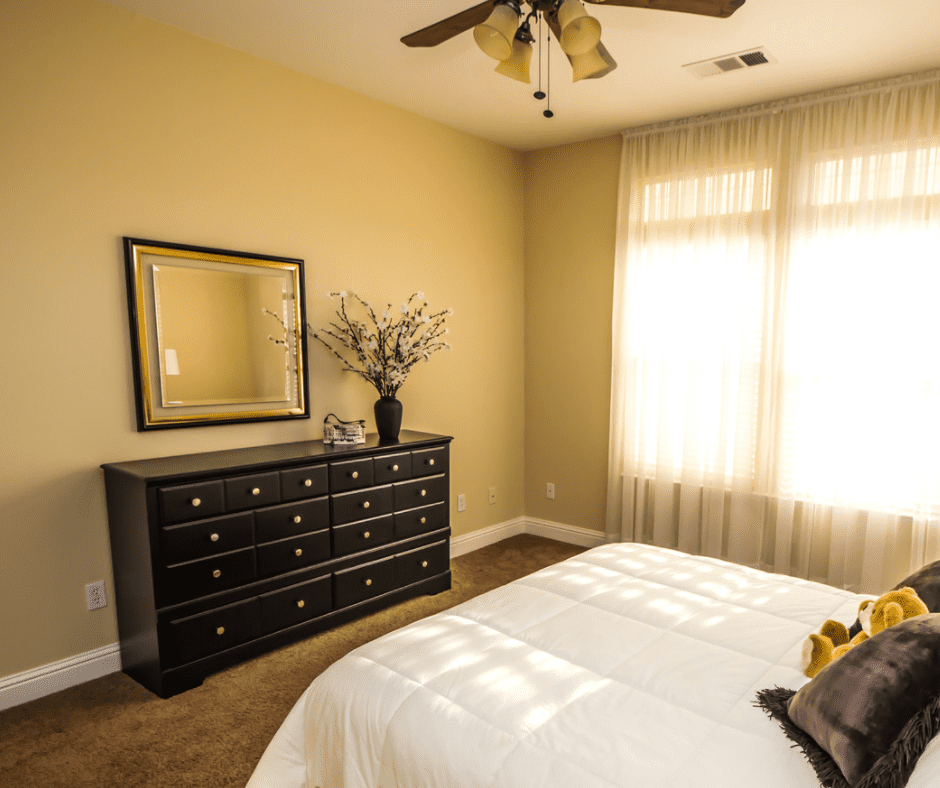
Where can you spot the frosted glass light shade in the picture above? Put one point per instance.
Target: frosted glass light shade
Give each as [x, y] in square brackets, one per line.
[495, 35]
[579, 31]
[594, 63]
[517, 64]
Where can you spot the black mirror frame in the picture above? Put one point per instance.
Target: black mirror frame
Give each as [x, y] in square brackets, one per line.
[143, 344]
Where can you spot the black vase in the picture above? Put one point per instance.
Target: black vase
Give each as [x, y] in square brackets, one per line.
[388, 418]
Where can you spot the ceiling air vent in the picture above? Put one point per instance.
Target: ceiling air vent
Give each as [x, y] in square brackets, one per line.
[721, 65]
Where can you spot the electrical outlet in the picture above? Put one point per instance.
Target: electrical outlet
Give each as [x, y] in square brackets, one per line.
[95, 595]
[550, 491]
[492, 495]
[461, 502]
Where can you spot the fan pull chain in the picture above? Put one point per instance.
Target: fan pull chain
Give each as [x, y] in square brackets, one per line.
[548, 74]
[538, 93]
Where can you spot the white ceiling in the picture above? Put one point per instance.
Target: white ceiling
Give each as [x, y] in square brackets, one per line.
[817, 44]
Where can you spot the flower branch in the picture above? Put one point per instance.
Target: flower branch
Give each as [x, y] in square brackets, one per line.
[383, 348]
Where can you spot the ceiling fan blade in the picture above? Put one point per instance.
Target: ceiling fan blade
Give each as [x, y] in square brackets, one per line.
[719, 8]
[446, 29]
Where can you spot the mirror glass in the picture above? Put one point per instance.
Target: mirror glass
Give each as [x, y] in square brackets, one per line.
[218, 335]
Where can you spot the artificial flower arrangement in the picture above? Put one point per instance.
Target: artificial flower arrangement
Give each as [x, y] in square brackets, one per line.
[385, 346]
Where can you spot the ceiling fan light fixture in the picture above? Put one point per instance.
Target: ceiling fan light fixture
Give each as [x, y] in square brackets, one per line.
[593, 63]
[580, 33]
[495, 36]
[517, 64]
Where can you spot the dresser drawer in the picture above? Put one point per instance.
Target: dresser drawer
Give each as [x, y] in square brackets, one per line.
[188, 639]
[248, 492]
[286, 555]
[360, 505]
[299, 517]
[297, 603]
[208, 575]
[419, 492]
[207, 537]
[363, 534]
[351, 475]
[191, 501]
[419, 521]
[392, 468]
[422, 562]
[307, 482]
[426, 462]
[363, 582]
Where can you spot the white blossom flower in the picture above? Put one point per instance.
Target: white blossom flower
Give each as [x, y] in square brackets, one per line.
[383, 350]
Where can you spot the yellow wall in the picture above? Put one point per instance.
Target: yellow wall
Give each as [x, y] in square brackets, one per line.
[113, 125]
[570, 232]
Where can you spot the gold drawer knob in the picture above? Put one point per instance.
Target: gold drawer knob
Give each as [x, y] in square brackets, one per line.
[424, 520]
[298, 552]
[308, 482]
[423, 493]
[365, 505]
[256, 491]
[355, 474]
[431, 462]
[196, 501]
[217, 573]
[300, 603]
[214, 537]
[220, 631]
[394, 467]
[424, 564]
[366, 535]
[297, 518]
[368, 581]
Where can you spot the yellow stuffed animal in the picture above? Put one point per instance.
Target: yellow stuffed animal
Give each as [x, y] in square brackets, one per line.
[875, 615]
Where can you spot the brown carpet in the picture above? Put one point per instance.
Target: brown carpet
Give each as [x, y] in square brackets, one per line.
[113, 732]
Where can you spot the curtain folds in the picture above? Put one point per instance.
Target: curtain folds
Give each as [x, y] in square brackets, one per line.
[775, 392]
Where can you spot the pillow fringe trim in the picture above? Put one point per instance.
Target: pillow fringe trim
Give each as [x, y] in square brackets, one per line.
[894, 768]
[775, 703]
[891, 770]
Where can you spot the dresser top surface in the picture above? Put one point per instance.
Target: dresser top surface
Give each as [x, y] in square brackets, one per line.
[251, 457]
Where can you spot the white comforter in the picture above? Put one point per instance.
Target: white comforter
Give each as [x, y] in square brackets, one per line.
[627, 665]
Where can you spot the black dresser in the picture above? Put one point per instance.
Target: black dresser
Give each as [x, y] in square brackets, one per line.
[222, 556]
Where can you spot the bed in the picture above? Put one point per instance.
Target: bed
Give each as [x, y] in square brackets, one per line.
[627, 665]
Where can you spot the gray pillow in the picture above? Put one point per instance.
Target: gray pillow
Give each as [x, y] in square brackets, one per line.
[925, 581]
[865, 719]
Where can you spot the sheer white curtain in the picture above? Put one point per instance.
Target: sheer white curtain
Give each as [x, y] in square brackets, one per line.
[776, 341]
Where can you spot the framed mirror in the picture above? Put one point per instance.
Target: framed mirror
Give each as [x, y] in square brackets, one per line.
[217, 336]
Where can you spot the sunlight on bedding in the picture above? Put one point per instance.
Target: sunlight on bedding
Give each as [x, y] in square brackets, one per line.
[525, 686]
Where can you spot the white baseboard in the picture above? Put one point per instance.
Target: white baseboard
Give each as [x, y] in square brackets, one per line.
[461, 545]
[570, 534]
[47, 679]
[70, 672]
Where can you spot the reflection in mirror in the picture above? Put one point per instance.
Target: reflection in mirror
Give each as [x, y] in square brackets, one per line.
[213, 330]
[218, 335]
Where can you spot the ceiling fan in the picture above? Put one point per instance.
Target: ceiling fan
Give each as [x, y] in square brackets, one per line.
[503, 31]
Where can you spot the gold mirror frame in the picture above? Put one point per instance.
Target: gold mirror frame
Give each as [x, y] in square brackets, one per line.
[217, 336]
